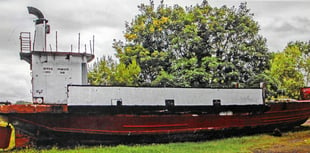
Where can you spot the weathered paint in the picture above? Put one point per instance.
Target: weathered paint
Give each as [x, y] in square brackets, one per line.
[22, 109]
[305, 93]
[43, 119]
[135, 124]
[7, 134]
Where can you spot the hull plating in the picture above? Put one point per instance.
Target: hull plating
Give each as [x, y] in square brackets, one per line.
[150, 124]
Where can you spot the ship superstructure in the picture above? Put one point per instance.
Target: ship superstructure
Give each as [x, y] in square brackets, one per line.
[61, 78]
[51, 71]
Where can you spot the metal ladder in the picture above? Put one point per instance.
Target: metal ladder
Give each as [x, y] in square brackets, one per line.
[25, 42]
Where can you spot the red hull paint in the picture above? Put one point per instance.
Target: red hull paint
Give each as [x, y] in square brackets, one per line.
[22, 140]
[31, 109]
[124, 124]
[305, 93]
[60, 124]
[5, 133]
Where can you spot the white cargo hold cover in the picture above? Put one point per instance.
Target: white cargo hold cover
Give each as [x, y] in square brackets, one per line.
[148, 96]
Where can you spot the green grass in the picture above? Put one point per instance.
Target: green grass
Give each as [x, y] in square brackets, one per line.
[231, 145]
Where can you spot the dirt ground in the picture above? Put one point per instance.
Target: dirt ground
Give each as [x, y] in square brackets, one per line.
[294, 142]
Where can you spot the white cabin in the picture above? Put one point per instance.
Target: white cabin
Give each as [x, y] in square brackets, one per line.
[52, 71]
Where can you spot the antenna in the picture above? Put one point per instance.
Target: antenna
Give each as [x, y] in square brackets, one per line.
[56, 42]
[90, 46]
[79, 43]
[93, 44]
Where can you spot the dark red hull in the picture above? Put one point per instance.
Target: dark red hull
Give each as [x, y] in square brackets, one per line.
[50, 125]
[125, 124]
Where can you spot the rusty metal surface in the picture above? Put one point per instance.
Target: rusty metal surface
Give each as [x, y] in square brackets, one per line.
[8, 109]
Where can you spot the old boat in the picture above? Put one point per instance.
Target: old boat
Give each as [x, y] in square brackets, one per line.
[66, 109]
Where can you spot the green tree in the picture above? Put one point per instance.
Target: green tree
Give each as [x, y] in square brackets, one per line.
[107, 71]
[285, 68]
[126, 75]
[101, 71]
[304, 61]
[196, 46]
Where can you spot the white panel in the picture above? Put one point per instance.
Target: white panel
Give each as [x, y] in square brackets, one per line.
[39, 38]
[52, 73]
[94, 95]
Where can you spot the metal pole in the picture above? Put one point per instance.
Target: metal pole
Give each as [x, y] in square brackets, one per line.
[93, 44]
[56, 42]
[79, 44]
[44, 25]
[90, 46]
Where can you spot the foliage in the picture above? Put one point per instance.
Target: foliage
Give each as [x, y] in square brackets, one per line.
[196, 46]
[270, 82]
[304, 61]
[108, 72]
[286, 68]
[101, 71]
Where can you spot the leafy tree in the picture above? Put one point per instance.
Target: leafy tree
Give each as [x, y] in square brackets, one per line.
[126, 75]
[270, 82]
[304, 61]
[285, 68]
[196, 46]
[101, 72]
[109, 72]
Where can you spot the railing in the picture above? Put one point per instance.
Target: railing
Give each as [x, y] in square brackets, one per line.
[25, 42]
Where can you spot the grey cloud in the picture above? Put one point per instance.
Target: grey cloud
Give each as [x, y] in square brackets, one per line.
[303, 23]
[15, 79]
[285, 27]
[13, 92]
[292, 24]
[90, 15]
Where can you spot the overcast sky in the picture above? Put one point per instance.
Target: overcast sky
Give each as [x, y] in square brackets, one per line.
[281, 21]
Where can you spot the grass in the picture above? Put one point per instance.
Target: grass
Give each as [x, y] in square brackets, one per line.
[257, 143]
